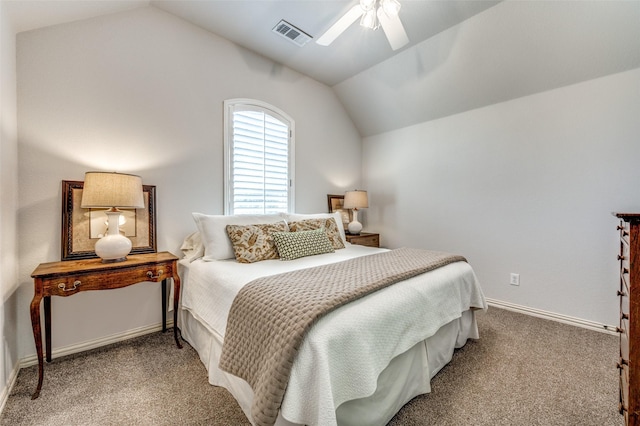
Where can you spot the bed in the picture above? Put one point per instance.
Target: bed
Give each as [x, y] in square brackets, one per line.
[358, 364]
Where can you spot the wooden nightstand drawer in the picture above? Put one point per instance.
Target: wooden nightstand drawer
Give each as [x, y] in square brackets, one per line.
[364, 239]
[68, 285]
[104, 276]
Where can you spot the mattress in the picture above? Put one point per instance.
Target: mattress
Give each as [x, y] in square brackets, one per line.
[344, 359]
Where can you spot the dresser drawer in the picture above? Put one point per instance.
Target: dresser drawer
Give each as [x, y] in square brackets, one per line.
[624, 328]
[624, 283]
[71, 284]
[625, 228]
[624, 390]
[624, 345]
[624, 309]
[624, 257]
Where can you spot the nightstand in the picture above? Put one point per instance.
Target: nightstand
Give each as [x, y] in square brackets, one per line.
[364, 239]
[69, 277]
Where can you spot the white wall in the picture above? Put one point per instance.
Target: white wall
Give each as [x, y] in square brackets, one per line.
[142, 92]
[8, 201]
[524, 186]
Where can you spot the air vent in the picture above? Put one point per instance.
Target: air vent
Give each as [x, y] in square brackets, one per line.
[291, 33]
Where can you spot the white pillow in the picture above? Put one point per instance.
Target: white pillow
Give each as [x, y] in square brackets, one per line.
[293, 217]
[213, 231]
[192, 247]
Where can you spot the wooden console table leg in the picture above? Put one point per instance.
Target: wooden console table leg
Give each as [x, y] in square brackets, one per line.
[164, 305]
[37, 337]
[47, 326]
[176, 300]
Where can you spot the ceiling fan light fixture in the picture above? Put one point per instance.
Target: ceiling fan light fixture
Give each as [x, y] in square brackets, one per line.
[390, 7]
[372, 14]
[369, 19]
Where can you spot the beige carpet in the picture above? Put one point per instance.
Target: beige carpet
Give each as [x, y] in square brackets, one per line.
[522, 371]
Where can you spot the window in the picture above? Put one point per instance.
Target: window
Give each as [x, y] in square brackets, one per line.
[258, 144]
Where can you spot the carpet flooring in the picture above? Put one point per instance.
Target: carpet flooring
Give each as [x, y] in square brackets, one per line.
[522, 371]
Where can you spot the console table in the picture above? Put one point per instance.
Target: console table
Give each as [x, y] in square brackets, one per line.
[69, 277]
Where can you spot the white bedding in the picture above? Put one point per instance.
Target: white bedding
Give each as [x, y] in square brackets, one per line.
[212, 302]
[344, 354]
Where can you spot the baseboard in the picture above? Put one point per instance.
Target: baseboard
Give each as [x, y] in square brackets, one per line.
[565, 319]
[9, 386]
[96, 343]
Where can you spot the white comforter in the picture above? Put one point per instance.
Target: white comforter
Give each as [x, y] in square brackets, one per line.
[345, 352]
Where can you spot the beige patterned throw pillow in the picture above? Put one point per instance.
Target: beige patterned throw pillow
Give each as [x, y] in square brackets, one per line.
[253, 243]
[329, 224]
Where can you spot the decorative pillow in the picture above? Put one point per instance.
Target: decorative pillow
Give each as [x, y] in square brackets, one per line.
[192, 247]
[330, 226]
[213, 231]
[293, 245]
[253, 243]
[295, 217]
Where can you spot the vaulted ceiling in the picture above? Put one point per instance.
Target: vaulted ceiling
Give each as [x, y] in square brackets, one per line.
[249, 23]
[463, 54]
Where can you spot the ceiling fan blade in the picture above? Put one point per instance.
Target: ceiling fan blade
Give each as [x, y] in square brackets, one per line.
[342, 24]
[393, 29]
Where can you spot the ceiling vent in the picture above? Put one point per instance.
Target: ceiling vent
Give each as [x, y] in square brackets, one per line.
[291, 33]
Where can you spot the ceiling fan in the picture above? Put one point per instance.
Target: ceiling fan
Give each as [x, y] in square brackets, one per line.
[372, 14]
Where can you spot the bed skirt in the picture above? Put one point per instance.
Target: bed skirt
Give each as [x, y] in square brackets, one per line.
[407, 376]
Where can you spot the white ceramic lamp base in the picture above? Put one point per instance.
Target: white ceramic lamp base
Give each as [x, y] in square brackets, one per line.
[113, 247]
[354, 226]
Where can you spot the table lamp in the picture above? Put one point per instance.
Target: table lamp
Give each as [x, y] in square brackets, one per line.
[112, 191]
[355, 200]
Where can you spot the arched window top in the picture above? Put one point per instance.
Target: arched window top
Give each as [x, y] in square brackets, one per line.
[259, 155]
[244, 104]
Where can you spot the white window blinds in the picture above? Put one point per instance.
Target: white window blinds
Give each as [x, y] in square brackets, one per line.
[259, 158]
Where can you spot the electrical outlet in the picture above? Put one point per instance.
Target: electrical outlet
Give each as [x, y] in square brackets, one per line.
[514, 279]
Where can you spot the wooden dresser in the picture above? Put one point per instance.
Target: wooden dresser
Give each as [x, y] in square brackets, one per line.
[629, 292]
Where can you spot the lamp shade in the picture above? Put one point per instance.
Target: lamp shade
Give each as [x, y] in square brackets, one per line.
[106, 189]
[356, 200]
